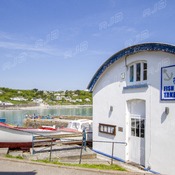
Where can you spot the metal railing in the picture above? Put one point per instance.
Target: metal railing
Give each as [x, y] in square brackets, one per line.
[49, 139]
[112, 147]
[83, 142]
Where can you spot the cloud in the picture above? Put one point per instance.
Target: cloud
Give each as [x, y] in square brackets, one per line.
[30, 48]
[11, 43]
[5, 36]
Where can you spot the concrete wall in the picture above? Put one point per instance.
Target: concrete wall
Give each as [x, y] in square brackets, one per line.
[159, 134]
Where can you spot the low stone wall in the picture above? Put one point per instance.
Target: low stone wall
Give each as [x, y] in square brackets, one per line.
[36, 123]
[13, 107]
[73, 117]
[61, 121]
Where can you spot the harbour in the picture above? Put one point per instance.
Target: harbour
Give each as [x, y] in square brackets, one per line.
[44, 120]
[17, 116]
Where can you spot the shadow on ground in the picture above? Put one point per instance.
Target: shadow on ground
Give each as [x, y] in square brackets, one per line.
[19, 173]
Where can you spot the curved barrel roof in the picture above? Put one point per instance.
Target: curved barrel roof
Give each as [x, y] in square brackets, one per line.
[129, 51]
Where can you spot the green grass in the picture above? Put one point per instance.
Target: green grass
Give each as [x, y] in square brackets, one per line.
[93, 166]
[14, 157]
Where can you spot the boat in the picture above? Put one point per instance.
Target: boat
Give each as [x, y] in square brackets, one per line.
[3, 120]
[80, 126]
[23, 138]
[13, 138]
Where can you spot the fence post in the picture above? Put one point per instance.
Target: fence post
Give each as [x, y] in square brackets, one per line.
[83, 144]
[50, 158]
[84, 139]
[33, 138]
[112, 153]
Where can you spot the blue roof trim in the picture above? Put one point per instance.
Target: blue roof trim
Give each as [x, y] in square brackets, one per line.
[129, 51]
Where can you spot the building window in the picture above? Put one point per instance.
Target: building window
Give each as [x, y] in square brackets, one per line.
[144, 71]
[137, 72]
[131, 73]
[108, 129]
[138, 127]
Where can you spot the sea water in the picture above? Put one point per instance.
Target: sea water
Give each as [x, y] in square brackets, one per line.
[16, 117]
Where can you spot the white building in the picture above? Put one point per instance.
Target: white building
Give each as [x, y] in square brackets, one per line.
[38, 100]
[79, 100]
[134, 102]
[87, 100]
[18, 99]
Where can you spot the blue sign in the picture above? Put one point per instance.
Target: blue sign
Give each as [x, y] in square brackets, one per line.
[168, 83]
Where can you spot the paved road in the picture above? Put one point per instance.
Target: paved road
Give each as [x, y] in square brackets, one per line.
[20, 167]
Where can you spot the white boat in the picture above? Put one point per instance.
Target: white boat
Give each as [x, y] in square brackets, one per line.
[14, 138]
[17, 137]
[79, 125]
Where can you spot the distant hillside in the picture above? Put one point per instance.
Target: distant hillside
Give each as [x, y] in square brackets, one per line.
[15, 96]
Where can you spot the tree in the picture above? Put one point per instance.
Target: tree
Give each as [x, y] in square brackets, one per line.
[35, 90]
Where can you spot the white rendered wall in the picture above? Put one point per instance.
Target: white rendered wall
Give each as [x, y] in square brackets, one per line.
[160, 132]
[108, 93]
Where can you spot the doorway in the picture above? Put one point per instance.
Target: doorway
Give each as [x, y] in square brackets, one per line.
[136, 109]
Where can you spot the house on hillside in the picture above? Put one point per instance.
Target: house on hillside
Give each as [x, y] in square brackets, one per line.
[38, 100]
[134, 102]
[18, 99]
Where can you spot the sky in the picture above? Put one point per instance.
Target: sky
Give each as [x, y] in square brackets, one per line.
[60, 44]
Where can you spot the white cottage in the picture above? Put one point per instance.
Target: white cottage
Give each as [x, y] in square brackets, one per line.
[134, 102]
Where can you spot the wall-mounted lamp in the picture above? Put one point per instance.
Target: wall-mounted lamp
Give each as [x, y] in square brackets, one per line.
[111, 108]
[122, 75]
[166, 110]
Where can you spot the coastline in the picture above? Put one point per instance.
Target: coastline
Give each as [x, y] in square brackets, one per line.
[6, 108]
[16, 116]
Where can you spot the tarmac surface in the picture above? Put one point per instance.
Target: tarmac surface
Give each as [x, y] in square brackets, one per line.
[61, 153]
[21, 167]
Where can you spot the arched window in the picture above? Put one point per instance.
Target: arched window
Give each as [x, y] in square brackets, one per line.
[137, 72]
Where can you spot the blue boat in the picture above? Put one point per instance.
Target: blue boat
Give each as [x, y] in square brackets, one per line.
[3, 120]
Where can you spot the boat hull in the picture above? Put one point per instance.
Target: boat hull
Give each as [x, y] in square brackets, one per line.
[15, 145]
[13, 138]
